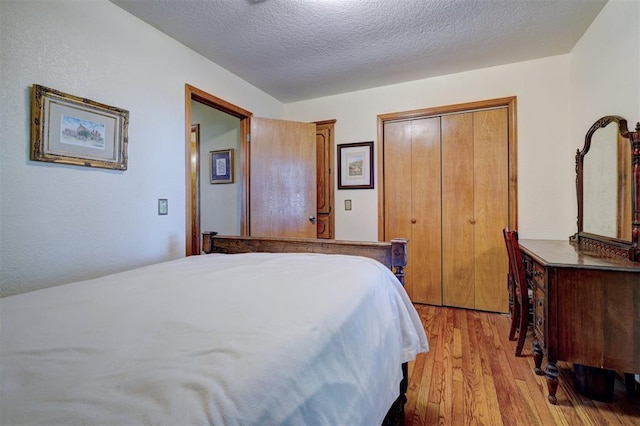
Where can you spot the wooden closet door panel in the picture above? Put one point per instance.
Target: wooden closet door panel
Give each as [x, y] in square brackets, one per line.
[322, 168]
[457, 211]
[425, 253]
[397, 188]
[324, 180]
[491, 186]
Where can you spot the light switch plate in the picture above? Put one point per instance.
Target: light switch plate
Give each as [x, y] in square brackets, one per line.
[163, 206]
[347, 204]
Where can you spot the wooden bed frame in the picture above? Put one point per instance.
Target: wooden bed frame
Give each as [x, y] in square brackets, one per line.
[392, 254]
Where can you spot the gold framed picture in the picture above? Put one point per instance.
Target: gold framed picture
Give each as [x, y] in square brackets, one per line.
[68, 129]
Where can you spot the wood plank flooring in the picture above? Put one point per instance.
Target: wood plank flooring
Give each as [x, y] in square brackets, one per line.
[472, 377]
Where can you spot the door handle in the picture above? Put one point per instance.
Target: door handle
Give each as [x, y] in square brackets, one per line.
[312, 219]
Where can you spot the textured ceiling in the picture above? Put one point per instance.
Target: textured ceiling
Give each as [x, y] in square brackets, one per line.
[302, 49]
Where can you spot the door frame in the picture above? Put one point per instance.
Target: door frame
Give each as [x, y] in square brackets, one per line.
[193, 240]
[508, 102]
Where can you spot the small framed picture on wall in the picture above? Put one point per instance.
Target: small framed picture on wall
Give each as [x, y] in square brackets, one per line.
[355, 165]
[222, 166]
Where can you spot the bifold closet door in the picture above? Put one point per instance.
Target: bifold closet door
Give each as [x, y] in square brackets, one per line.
[491, 208]
[474, 209]
[458, 277]
[412, 201]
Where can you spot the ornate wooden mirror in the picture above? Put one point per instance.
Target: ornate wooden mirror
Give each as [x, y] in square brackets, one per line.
[608, 188]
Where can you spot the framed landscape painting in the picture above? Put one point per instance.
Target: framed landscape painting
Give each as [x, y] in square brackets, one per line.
[355, 165]
[68, 129]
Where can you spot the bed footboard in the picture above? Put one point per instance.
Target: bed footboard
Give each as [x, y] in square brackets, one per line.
[393, 254]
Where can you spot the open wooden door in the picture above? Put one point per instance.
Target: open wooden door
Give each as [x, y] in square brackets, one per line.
[282, 181]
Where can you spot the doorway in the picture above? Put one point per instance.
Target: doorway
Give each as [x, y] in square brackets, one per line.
[194, 162]
[217, 135]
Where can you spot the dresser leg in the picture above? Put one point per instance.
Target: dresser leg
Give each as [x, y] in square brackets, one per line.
[552, 381]
[537, 357]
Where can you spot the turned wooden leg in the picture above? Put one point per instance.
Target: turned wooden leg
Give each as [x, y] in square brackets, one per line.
[537, 357]
[404, 384]
[552, 381]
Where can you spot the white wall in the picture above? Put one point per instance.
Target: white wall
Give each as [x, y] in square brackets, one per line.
[65, 223]
[545, 154]
[219, 203]
[605, 80]
[605, 69]
[558, 100]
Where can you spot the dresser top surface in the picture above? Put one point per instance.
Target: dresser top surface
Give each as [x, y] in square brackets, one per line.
[561, 253]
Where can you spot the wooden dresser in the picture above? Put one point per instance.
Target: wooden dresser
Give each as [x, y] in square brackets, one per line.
[587, 290]
[587, 309]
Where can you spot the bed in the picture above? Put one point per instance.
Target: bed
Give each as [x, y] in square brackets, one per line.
[298, 337]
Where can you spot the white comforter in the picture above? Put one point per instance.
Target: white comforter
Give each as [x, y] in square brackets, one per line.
[247, 339]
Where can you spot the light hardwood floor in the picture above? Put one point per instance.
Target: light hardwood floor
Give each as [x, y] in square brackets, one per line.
[472, 377]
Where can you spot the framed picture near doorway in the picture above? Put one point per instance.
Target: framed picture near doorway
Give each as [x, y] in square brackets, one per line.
[222, 166]
[355, 165]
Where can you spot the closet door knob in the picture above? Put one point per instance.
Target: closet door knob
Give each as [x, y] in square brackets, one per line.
[413, 221]
[472, 221]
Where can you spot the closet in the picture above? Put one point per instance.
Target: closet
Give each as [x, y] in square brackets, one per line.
[449, 187]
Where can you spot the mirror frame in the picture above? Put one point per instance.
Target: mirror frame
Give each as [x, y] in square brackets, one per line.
[599, 243]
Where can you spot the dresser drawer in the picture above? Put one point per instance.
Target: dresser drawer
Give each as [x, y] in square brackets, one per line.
[536, 272]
